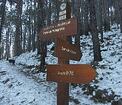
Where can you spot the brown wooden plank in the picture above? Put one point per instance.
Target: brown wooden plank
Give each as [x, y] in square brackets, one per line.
[70, 73]
[65, 50]
[60, 29]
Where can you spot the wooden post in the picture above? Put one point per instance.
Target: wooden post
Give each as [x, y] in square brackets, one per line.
[63, 88]
[63, 94]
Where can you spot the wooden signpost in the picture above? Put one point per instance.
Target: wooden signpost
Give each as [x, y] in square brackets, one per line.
[65, 73]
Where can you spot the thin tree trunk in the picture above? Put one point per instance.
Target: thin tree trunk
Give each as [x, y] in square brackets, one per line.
[57, 4]
[99, 17]
[106, 18]
[2, 17]
[34, 29]
[77, 37]
[7, 55]
[1, 24]
[86, 28]
[41, 45]
[18, 47]
[29, 35]
[120, 9]
[116, 12]
[94, 31]
[49, 14]
[24, 39]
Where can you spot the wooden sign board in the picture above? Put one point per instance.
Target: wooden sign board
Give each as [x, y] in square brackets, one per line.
[60, 29]
[65, 73]
[65, 50]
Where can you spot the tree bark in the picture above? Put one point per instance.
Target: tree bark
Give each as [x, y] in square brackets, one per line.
[94, 31]
[29, 34]
[116, 12]
[41, 45]
[18, 34]
[2, 17]
[99, 17]
[120, 9]
[7, 54]
[86, 28]
[106, 19]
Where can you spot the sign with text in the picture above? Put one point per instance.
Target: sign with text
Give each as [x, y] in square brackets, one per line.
[65, 50]
[60, 29]
[73, 73]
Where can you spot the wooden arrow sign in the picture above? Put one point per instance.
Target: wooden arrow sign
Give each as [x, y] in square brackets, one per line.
[65, 50]
[60, 29]
[78, 73]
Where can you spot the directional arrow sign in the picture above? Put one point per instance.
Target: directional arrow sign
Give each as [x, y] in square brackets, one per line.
[66, 50]
[60, 29]
[70, 73]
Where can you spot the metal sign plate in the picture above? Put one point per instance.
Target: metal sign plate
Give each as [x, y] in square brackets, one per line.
[60, 29]
[65, 73]
[65, 50]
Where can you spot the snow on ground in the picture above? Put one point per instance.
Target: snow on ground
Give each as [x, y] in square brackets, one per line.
[28, 58]
[19, 89]
[112, 63]
[110, 68]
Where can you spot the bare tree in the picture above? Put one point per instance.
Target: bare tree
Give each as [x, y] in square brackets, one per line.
[7, 53]
[105, 12]
[2, 23]
[120, 10]
[99, 17]
[86, 18]
[2, 17]
[18, 34]
[40, 44]
[94, 31]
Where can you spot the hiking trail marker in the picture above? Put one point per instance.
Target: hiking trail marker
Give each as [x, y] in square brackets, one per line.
[71, 73]
[60, 29]
[65, 73]
[65, 50]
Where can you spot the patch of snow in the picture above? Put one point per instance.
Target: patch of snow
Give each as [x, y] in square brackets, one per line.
[28, 58]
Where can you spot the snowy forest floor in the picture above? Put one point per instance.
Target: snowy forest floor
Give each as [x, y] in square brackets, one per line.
[20, 85]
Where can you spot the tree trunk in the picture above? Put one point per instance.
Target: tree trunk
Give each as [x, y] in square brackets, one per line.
[7, 55]
[41, 45]
[78, 15]
[99, 17]
[24, 39]
[2, 17]
[34, 29]
[57, 4]
[120, 9]
[49, 13]
[86, 28]
[29, 34]
[1, 24]
[18, 34]
[106, 19]
[116, 12]
[94, 31]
